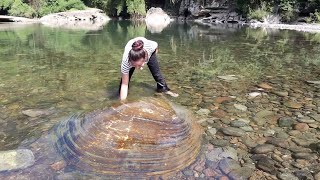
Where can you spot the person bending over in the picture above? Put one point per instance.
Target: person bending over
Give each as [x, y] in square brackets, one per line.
[138, 52]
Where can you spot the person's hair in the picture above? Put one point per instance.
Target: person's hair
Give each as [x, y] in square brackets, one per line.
[137, 52]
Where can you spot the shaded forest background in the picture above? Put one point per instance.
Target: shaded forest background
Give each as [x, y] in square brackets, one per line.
[287, 10]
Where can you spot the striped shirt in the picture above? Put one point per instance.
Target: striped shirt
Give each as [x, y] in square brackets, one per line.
[149, 46]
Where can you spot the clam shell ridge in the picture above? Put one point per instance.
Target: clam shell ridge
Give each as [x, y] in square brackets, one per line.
[144, 138]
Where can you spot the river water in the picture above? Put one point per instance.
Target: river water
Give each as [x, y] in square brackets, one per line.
[58, 72]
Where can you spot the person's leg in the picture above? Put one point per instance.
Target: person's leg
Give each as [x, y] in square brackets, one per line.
[155, 71]
[130, 75]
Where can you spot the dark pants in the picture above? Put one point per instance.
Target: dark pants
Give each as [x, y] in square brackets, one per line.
[155, 71]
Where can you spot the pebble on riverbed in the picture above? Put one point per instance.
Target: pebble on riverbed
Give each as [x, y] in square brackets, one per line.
[16, 159]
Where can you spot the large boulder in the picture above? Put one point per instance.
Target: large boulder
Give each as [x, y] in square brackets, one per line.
[89, 19]
[156, 20]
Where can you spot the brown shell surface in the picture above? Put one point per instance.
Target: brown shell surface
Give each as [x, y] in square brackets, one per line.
[144, 138]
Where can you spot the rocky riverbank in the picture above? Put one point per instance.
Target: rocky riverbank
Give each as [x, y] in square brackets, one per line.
[89, 19]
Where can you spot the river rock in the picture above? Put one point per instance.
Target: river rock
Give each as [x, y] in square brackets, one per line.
[238, 123]
[219, 142]
[264, 86]
[212, 131]
[37, 112]
[314, 82]
[287, 176]
[203, 112]
[263, 148]
[221, 100]
[209, 172]
[317, 176]
[307, 156]
[240, 107]
[233, 131]
[227, 165]
[156, 20]
[242, 173]
[266, 165]
[281, 93]
[285, 122]
[301, 127]
[305, 120]
[16, 159]
[303, 174]
[262, 117]
[279, 142]
[292, 104]
[247, 128]
[88, 19]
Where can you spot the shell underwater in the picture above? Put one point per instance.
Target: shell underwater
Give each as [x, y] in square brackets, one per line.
[145, 138]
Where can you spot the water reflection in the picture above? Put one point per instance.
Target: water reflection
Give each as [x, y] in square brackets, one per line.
[70, 71]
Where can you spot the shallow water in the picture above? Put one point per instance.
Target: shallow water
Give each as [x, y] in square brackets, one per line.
[62, 71]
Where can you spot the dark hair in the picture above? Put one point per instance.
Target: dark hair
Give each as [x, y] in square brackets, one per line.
[137, 52]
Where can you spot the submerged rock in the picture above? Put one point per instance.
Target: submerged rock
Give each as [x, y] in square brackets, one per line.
[16, 159]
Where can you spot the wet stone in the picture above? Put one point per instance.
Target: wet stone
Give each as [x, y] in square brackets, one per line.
[267, 165]
[249, 142]
[282, 135]
[233, 131]
[238, 123]
[305, 120]
[302, 155]
[315, 117]
[209, 172]
[247, 128]
[219, 142]
[212, 131]
[203, 112]
[303, 174]
[16, 159]
[264, 148]
[317, 176]
[287, 176]
[301, 142]
[240, 107]
[269, 132]
[278, 142]
[281, 93]
[264, 86]
[242, 173]
[292, 104]
[301, 127]
[227, 165]
[285, 122]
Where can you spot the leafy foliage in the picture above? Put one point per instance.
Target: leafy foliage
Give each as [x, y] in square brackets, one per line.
[38, 8]
[259, 13]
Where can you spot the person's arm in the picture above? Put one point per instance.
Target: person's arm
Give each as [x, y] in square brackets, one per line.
[124, 86]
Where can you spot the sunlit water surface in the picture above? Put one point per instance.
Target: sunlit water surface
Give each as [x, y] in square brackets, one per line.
[62, 72]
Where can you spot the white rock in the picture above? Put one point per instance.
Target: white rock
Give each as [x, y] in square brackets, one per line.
[240, 107]
[254, 94]
[16, 159]
[156, 20]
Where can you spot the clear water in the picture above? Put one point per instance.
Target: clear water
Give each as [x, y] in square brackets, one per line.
[67, 71]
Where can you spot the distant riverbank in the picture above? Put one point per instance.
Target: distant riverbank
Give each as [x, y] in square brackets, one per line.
[70, 19]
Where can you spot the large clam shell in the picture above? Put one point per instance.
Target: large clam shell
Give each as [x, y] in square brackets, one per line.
[140, 139]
